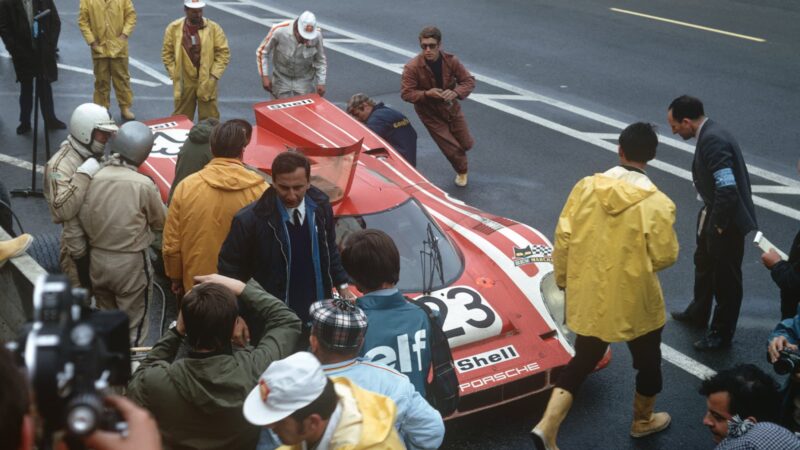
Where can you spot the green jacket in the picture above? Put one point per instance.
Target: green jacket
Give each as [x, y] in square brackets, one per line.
[194, 155]
[197, 400]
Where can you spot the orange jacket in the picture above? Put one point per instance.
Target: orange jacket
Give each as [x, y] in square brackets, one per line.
[200, 215]
[418, 78]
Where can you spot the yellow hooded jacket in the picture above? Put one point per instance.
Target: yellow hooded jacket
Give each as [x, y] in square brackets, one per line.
[614, 234]
[105, 21]
[214, 58]
[200, 215]
[367, 420]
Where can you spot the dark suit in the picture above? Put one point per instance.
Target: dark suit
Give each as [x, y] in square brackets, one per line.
[15, 31]
[720, 177]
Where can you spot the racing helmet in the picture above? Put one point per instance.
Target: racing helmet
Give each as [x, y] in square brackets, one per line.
[87, 118]
[133, 142]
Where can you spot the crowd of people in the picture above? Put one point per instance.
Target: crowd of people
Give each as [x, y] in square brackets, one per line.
[271, 344]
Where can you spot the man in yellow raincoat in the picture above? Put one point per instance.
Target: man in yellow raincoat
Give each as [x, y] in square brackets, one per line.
[195, 54]
[106, 26]
[615, 232]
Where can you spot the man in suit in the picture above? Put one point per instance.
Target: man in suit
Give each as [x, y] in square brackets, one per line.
[721, 179]
[16, 23]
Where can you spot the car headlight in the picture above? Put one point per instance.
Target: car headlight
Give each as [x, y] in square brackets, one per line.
[555, 302]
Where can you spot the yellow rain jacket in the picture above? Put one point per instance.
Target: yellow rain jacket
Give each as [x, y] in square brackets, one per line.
[200, 215]
[104, 21]
[214, 58]
[614, 234]
[366, 422]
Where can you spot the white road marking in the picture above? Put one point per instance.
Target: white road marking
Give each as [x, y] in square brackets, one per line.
[763, 189]
[673, 356]
[22, 164]
[144, 67]
[689, 25]
[5, 54]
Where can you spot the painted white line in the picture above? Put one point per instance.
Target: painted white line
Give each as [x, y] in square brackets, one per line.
[786, 190]
[21, 163]
[141, 65]
[604, 136]
[4, 54]
[689, 25]
[342, 40]
[686, 363]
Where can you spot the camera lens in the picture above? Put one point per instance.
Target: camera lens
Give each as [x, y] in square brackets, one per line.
[783, 365]
[82, 420]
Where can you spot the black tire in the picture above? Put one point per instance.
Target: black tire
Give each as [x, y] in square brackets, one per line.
[46, 250]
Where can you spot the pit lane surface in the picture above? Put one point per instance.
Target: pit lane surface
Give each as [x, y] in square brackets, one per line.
[552, 74]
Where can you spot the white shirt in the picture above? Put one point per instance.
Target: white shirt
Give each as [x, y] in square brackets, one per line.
[301, 208]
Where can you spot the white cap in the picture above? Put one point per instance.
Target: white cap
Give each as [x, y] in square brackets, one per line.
[287, 385]
[195, 4]
[307, 25]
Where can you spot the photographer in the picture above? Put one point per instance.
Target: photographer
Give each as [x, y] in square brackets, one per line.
[17, 429]
[783, 348]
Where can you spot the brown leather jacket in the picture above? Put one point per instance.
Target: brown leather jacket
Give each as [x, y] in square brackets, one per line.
[418, 78]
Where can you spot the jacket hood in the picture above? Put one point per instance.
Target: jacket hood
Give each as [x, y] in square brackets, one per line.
[201, 133]
[367, 419]
[229, 174]
[618, 189]
[211, 383]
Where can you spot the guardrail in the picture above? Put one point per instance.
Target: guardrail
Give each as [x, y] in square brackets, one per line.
[17, 278]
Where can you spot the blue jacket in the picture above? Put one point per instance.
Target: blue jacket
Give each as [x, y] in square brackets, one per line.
[397, 335]
[790, 329]
[396, 129]
[258, 245]
[418, 423]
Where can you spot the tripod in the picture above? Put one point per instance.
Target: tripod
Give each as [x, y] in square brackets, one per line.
[37, 37]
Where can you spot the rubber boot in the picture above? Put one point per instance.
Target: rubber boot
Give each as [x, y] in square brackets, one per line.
[544, 433]
[461, 179]
[14, 247]
[126, 112]
[646, 422]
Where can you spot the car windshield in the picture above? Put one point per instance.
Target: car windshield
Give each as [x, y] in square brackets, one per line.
[427, 258]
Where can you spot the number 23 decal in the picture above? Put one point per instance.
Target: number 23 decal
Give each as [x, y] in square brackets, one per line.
[466, 315]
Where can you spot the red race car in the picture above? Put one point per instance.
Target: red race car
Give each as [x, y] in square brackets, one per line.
[489, 277]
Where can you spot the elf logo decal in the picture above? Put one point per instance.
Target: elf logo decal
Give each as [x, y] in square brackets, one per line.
[465, 314]
[531, 254]
[486, 359]
[168, 143]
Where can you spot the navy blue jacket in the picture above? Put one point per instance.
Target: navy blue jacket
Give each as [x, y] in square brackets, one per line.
[396, 129]
[720, 177]
[258, 245]
[398, 336]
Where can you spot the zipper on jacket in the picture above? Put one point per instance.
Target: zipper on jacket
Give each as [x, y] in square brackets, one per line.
[285, 259]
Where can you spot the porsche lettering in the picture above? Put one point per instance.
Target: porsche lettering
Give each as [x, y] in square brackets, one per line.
[501, 376]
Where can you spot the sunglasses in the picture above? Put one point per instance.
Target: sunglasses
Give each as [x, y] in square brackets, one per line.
[428, 46]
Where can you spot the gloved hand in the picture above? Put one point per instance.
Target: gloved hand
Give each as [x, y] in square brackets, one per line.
[89, 167]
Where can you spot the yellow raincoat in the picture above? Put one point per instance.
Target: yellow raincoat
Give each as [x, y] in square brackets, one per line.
[614, 234]
[188, 82]
[104, 21]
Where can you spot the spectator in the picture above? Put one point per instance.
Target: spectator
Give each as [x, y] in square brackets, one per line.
[720, 176]
[614, 233]
[195, 54]
[741, 402]
[786, 337]
[337, 334]
[16, 25]
[195, 152]
[387, 123]
[299, 65]
[106, 27]
[306, 409]
[120, 213]
[204, 204]
[434, 81]
[286, 240]
[66, 180]
[786, 274]
[14, 247]
[373, 263]
[197, 400]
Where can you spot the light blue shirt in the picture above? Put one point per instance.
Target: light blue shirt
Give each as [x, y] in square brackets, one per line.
[418, 423]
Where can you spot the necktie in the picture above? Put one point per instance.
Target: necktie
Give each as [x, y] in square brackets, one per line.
[297, 220]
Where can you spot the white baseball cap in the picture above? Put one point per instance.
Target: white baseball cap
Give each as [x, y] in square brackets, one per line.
[195, 4]
[307, 25]
[287, 385]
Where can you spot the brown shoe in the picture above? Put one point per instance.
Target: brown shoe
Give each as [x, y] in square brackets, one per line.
[127, 114]
[645, 421]
[461, 179]
[14, 247]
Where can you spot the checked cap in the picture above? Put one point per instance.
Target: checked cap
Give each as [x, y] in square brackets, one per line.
[338, 323]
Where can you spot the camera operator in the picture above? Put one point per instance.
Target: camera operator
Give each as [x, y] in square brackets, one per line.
[783, 354]
[17, 428]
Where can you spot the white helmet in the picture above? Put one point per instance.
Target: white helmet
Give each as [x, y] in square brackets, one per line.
[133, 142]
[87, 118]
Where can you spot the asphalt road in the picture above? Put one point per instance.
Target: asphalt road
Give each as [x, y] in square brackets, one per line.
[569, 68]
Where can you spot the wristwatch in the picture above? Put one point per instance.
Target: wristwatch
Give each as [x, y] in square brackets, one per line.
[174, 328]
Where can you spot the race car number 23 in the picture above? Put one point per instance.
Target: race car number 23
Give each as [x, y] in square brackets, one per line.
[466, 315]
